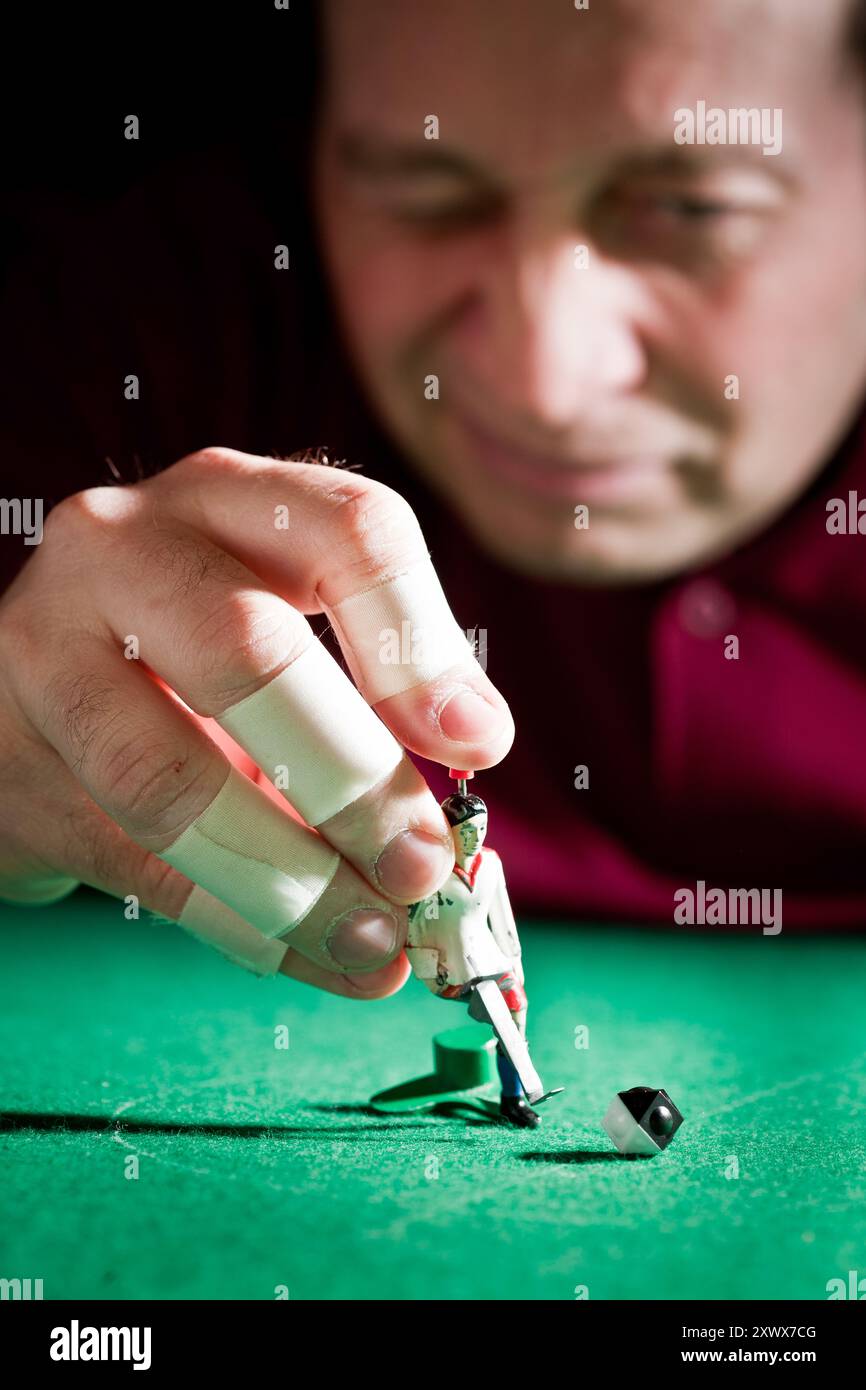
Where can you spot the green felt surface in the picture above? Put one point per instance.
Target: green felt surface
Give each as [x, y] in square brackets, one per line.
[261, 1167]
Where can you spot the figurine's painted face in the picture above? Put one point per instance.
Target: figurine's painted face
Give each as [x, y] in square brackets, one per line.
[469, 837]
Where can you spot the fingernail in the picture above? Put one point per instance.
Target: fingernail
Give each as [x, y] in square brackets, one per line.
[466, 716]
[413, 864]
[364, 937]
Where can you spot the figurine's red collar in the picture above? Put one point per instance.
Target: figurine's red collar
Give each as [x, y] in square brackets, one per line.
[470, 877]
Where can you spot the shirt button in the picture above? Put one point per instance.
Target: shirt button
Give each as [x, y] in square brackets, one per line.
[705, 609]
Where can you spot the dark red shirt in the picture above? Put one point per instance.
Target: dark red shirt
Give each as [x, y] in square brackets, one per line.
[742, 774]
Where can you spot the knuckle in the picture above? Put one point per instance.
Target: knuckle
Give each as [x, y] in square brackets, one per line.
[35, 610]
[373, 525]
[213, 454]
[62, 518]
[152, 787]
[207, 460]
[93, 508]
[239, 641]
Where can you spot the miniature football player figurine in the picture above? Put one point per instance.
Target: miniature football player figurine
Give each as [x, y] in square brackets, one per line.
[465, 935]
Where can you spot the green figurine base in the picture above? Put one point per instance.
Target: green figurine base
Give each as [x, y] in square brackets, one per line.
[464, 1061]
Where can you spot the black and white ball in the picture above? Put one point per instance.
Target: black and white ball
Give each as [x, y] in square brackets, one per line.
[642, 1120]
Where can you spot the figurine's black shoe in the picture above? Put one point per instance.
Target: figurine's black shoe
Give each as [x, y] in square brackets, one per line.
[518, 1111]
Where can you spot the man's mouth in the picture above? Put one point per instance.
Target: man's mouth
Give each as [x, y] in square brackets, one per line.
[607, 477]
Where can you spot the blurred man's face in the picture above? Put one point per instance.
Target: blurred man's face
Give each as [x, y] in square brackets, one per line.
[601, 379]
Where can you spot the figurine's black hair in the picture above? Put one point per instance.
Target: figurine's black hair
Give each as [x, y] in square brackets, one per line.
[459, 808]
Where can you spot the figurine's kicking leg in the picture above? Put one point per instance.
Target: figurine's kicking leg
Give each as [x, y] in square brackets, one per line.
[512, 1101]
[513, 1104]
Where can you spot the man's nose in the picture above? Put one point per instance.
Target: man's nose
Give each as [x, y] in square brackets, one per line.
[552, 329]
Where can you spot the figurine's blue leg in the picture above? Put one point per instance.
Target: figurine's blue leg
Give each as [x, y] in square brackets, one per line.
[511, 1083]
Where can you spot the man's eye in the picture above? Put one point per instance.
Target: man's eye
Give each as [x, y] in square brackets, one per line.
[691, 230]
[684, 209]
[694, 209]
[445, 216]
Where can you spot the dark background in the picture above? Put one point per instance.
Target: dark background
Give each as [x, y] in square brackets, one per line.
[200, 78]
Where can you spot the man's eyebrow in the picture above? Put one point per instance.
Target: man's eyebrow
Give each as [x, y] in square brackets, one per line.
[377, 158]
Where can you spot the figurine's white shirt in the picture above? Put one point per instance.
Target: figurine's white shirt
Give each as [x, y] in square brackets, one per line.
[450, 941]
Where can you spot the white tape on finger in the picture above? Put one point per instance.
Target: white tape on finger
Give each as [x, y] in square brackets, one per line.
[311, 721]
[219, 926]
[399, 634]
[255, 857]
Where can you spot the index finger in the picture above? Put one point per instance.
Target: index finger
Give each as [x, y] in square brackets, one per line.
[353, 549]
